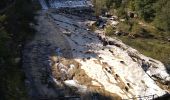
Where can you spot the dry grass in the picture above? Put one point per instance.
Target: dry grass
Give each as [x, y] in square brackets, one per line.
[56, 73]
[68, 62]
[77, 73]
[82, 77]
[103, 94]
[163, 86]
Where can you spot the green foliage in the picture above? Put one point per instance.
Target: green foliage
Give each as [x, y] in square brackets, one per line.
[131, 5]
[109, 3]
[136, 29]
[20, 15]
[124, 26]
[121, 13]
[151, 39]
[162, 20]
[99, 6]
[109, 31]
[92, 27]
[117, 3]
[2, 19]
[145, 9]
[5, 3]
[152, 11]
[4, 37]
[150, 47]
[14, 30]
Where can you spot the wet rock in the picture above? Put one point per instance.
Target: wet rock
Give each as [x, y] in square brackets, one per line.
[111, 51]
[128, 84]
[83, 59]
[117, 75]
[109, 71]
[126, 88]
[69, 35]
[121, 33]
[122, 62]
[145, 65]
[111, 43]
[100, 58]
[168, 39]
[88, 58]
[105, 43]
[88, 52]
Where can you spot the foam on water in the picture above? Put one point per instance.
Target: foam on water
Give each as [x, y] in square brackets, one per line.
[65, 3]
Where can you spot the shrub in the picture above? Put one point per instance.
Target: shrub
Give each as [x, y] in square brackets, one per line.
[109, 31]
[93, 27]
[150, 47]
[139, 31]
[124, 26]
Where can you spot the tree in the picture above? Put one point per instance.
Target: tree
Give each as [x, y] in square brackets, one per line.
[98, 6]
[109, 3]
[162, 20]
[131, 5]
[145, 9]
[14, 30]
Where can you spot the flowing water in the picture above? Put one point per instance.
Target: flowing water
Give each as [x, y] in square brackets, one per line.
[43, 4]
[64, 3]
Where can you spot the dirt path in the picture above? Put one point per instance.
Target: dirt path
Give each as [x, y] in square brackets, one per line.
[36, 54]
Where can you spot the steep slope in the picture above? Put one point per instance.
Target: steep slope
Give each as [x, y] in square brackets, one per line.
[115, 67]
[64, 53]
[36, 55]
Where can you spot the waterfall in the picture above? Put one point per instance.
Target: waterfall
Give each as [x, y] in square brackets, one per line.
[69, 3]
[65, 3]
[43, 4]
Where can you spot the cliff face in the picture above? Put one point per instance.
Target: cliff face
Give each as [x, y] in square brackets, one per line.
[109, 63]
[87, 61]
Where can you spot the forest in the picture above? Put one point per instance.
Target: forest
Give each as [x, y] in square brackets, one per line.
[151, 11]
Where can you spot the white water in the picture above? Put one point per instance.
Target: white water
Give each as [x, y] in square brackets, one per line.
[65, 3]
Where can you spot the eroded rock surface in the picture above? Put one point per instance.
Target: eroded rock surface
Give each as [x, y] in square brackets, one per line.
[111, 64]
[70, 55]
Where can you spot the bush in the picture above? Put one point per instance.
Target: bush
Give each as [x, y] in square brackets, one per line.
[93, 27]
[139, 31]
[136, 30]
[124, 27]
[145, 9]
[162, 20]
[14, 29]
[109, 31]
[150, 47]
[121, 13]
